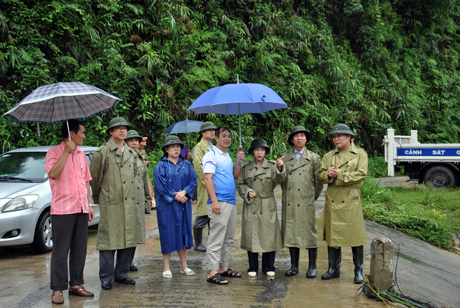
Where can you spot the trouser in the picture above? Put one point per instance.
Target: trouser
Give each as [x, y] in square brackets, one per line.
[131, 257]
[201, 222]
[107, 272]
[194, 198]
[268, 261]
[70, 232]
[221, 235]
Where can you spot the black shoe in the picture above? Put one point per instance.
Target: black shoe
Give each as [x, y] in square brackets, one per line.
[292, 271]
[198, 234]
[132, 268]
[358, 256]
[294, 252]
[312, 255]
[106, 285]
[335, 260]
[126, 280]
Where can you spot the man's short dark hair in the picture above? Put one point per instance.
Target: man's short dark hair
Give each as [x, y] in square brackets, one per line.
[74, 126]
[222, 129]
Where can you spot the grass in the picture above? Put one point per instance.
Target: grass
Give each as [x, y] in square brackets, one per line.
[432, 215]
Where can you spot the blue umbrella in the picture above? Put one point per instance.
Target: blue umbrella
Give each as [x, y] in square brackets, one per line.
[238, 98]
[187, 126]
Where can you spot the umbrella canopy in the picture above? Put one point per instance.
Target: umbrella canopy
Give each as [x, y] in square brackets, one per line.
[187, 126]
[55, 103]
[238, 98]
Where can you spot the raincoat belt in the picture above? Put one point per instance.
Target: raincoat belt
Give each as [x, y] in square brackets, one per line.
[265, 194]
[358, 186]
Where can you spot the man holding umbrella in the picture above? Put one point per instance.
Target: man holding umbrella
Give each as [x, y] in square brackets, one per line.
[71, 209]
[113, 170]
[207, 131]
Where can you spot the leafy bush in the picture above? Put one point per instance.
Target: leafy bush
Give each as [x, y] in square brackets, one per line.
[373, 192]
[377, 167]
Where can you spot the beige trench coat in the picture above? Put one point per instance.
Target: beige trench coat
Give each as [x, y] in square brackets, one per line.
[343, 216]
[201, 148]
[113, 189]
[300, 190]
[143, 196]
[260, 228]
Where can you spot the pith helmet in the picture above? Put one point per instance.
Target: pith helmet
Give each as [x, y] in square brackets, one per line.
[298, 129]
[341, 129]
[259, 142]
[133, 134]
[170, 140]
[207, 125]
[118, 121]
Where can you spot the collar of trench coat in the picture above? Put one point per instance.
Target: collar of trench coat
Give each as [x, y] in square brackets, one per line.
[114, 147]
[292, 162]
[346, 156]
[260, 169]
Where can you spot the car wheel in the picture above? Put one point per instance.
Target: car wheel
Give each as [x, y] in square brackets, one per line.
[43, 239]
[439, 176]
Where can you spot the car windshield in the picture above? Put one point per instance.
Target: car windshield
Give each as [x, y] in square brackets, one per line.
[22, 166]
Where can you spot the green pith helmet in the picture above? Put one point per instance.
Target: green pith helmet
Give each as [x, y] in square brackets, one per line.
[170, 140]
[206, 126]
[341, 129]
[259, 142]
[133, 134]
[298, 129]
[118, 121]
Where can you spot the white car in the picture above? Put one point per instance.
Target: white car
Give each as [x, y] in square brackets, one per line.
[25, 198]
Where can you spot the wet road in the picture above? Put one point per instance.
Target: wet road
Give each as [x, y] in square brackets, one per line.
[25, 278]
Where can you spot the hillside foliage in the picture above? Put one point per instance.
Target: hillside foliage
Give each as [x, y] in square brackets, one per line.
[372, 64]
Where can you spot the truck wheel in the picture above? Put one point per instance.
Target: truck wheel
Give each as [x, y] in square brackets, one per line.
[439, 176]
[43, 239]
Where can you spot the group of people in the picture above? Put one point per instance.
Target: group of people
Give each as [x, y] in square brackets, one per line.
[119, 182]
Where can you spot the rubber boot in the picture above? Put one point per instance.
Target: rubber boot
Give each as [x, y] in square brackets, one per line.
[358, 255]
[294, 270]
[335, 260]
[312, 255]
[198, 235]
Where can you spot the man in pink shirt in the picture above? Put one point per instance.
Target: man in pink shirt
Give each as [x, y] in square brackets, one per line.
[71, 209]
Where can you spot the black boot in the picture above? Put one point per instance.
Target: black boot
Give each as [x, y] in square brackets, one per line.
[312, 255]
[358, 255]
[335, 260]
[198, 234]
[133, 268]
[294, 252]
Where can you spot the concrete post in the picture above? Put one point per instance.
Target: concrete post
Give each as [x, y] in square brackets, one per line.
[382, 263]
[391, 152]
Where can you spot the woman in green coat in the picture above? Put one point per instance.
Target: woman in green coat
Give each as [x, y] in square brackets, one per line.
[260, 227]
[344, 169]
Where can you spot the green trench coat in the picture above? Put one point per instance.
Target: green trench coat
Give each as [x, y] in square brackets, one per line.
[300, 190]
[143, 196]
[260, 228]
[343, 216]
[201, 148]
[113, 189]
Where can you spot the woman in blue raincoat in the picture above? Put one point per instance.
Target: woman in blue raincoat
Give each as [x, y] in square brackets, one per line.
[175, 182]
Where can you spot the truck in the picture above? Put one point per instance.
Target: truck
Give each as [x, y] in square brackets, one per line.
[437, 165]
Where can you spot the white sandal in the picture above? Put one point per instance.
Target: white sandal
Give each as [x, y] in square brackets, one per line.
[167, 274]
[188, 272]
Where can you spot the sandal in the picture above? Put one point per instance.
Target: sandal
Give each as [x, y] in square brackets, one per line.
[217, 279]
[188, 272]
[230, 273]
[167, 274]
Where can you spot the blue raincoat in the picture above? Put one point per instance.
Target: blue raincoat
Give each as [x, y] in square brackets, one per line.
[174, 218]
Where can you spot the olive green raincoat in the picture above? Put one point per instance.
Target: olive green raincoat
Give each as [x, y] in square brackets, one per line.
[300, 190]
[113, 189]
[201, 148]
[343, 216]
[143, 196]
[260, 228]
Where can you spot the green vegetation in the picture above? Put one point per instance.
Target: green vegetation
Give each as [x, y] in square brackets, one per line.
[432, 215]
[372, 64]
